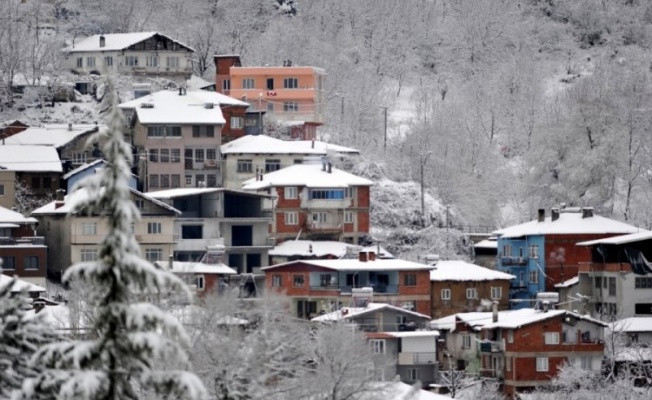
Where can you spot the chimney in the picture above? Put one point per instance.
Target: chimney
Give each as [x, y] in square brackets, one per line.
[330, 167]
[323, 163]
[372, 256]
[102, 41]
[362, 256]
[170, 262]
[554, 214]
[60, 194]
[542, 215]
[59, 202]
[587, 212]
[494, 311]
[69, 126]
[546, 306]
[208, 106]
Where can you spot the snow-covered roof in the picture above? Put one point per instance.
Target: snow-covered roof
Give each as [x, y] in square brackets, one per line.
[20, 285]
[116, 41]
[30, 158]
[357, 265]
[397, 391]
[83, 167]
[527, 316]
[623, 239]
[72, 199]
[168, 107]
[8, 216]
[180, 192]
[51, 135]
[632, 325]
[327, 147]
[408, 334]
[487, 244]
[457, 270]
[472, 319]
[185, 267]
[262, 144]
[345, 313]
[197, 83]
[309, 175]
[58, 317]
[568, 223]
[319, 249]
[568, 283]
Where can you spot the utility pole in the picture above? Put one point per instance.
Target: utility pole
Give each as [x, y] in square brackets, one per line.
[385, 141]
[260, 112]
[342, 108]
[423, 159]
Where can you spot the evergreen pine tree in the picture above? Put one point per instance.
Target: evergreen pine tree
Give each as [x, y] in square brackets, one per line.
[130, 337]
[20, 337]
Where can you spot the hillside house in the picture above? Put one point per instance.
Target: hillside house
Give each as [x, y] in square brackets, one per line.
[176, 137]
[11, 127]
[543, 252]
[316, 286]
[33, 291]
[485, 253]
[77, 237]
[292, 250]
[22, 252]
[73, 177]
[316, 202]
[292, 96]
[459, 286]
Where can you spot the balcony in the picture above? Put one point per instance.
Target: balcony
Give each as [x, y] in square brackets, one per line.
[347, 289]
[324, 227]
[488, 346]
[194, 244]
[509, 261]
[417, 358]
[22, 241]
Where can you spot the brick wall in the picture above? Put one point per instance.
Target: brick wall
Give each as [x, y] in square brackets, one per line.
[229, 133]
[458, 302]
[422, 287]
[363, 196]
[19, 253]
[363, 221]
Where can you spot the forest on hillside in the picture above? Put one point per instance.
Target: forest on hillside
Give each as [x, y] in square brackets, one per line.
[508, 105]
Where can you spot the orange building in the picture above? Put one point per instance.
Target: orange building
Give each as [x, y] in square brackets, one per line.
[290, 95]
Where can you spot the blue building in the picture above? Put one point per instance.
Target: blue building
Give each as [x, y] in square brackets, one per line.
[79, 173]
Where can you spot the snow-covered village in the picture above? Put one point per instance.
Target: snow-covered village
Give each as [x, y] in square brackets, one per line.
[325, 200]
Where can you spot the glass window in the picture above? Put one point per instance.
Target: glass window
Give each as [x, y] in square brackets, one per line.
[466, 341]
[199, 155]
[533, 251]
[153, 155]
[153, 228]
[153, 255]
[80, 62]
[153, 180]
[552, 337]
[175, 180]
[203, 131]
[245, 166]
[131, 61]
[348, 217]
[298, 280]
[89, 228]
[326, 194]
[165, 180]
[199, 282]
[152, 61]
[175, 155]
[510, 336]
[108, 61]
[496, 292]
[534, 276]
[272, 165]
[172, 62]
[8, 262]
[226, 84]
[211, 180]
[291, 218]
[542, 364]
[290, 106]
[237, 122]
[90, 62]
[155, 131]
[30, 262]
[319, 217]
[290, 192]
[248, 83]
[277, 280]
[88, 255]
[445, 294]
[165, 155]
[612, 286]
[2, 190]
[471, 293]
[410, 280]
[188, 180]
[290, 83]
[414, 374]
[173, 131]
[377, 346]
[210, 154]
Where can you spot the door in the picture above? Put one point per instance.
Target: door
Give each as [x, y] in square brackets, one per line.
[270, 83]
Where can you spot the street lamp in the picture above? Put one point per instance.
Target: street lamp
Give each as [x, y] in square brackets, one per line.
[423, 158]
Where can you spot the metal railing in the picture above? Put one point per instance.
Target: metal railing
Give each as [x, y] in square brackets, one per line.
[346, 289]
[33, 240]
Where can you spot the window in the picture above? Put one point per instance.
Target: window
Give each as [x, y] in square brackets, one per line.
[175, 180]
[466, 341]
[496, 292]
[203, 131]
[348, 217]
[290, 106]
[210, 154]
[237, 122]
[325, 280]
[152, 61]
[551, 337]
[642, 283]
[153, 228]
[90, 62]
[165, 155]
[211, 180]
[36, 182]
[325, 194]
[298, 280]
[270, 107]
[290, 83]
[131, 61]
[377, 346]
[88, 255]
[47, 182]
[199, 180]
[277, 281]
[200, 283]
[173, 131]
[510, 336]
[598, 282]
[507, 250]
[165, 180]
[244, 166]
[140, 204]
[534, 276]
[270, 83]
[153, 181]
[30, 262]
[585, 363]
[508, 363]
[612, 286]
[152, 255]
[161, 131]
[471, 293]
[188, 180]
[349, 192]
[520, 252]
[319, 217]
[272, 165]
[533, 251]
[199, 155]
[410, 280]
[290, 192]
[2, 190]
[8, 262]
[413, 374]
[291, 218]
[153, 155]
[248, 83]
[445, 294]
[80, 62]
[79, 158]
[226, 84]
[108, 61]
[155, 131]
[172, 62]
[89, 228]
[175, 155]
[542, 364]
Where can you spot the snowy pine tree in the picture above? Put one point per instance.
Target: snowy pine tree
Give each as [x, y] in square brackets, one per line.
[130, 337]
[20, 337]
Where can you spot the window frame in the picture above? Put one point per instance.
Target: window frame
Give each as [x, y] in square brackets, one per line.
[298, 280]
[496, 289]
[237, 122]
[540, 362]
[244, 166]
[28, 265]
[533, 251]
[89, 228]
[291, 218]
[348, 217]
[154, 228]
[248, 83]
[290, 106]
[446, 294]
[378, 346]
[290, 193]
[271, 165]
[535, 274]
[410, 280]
[290, 83]
[466, 338]
[9, 266]
[473, 291]
[277, 280]
[88, 255]
[154, 251]
[551, 338]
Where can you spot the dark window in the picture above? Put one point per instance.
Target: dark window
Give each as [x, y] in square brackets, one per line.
[298, 280]
[192, 232]
[30, 262]
[36, 182]
[272, 165]
[211, 180]
[175, 180]
[612, 286]
[290, 83]
[598, 281]
[165, 155]
[410, 280]
[643, 308]
[8, 262]
[165, 180]
[153, 155]
[210, 154]
[325, 194]
[325, 280]
[270, 83]
[153, 180]
[203, 131]
[245, 166]
[175, 155]
[47, 182]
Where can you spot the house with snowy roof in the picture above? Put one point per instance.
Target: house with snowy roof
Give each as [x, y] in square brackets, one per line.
[485, 252]
[37, 167]
[22, 252]
[73, 235]
[616, 278]
[212, 216]
[316, 201]
[251, 155]
[140, 54]
[317, 286]
[543, 252]
[11, 127]
[71, 178]
[291, 96]
[292, 250]
[32, 290]
[71, 142]
[459, 286]
[177, 137]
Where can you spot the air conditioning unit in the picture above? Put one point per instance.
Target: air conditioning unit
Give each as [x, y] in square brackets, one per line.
[139, 238]
[210, 164]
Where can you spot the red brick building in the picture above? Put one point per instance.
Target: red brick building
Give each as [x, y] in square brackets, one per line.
[316, 202]
[22, 253]
[524, 348]
[320, 286]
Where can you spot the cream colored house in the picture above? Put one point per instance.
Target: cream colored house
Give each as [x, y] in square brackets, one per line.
[76, 237]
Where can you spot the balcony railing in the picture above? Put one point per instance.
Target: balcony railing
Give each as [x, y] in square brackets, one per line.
[513, 260]
[417, 358]
[488, 346]
[347, 289]
[22, 241]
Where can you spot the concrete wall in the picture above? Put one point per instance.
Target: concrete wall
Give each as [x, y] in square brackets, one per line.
[8, 181]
